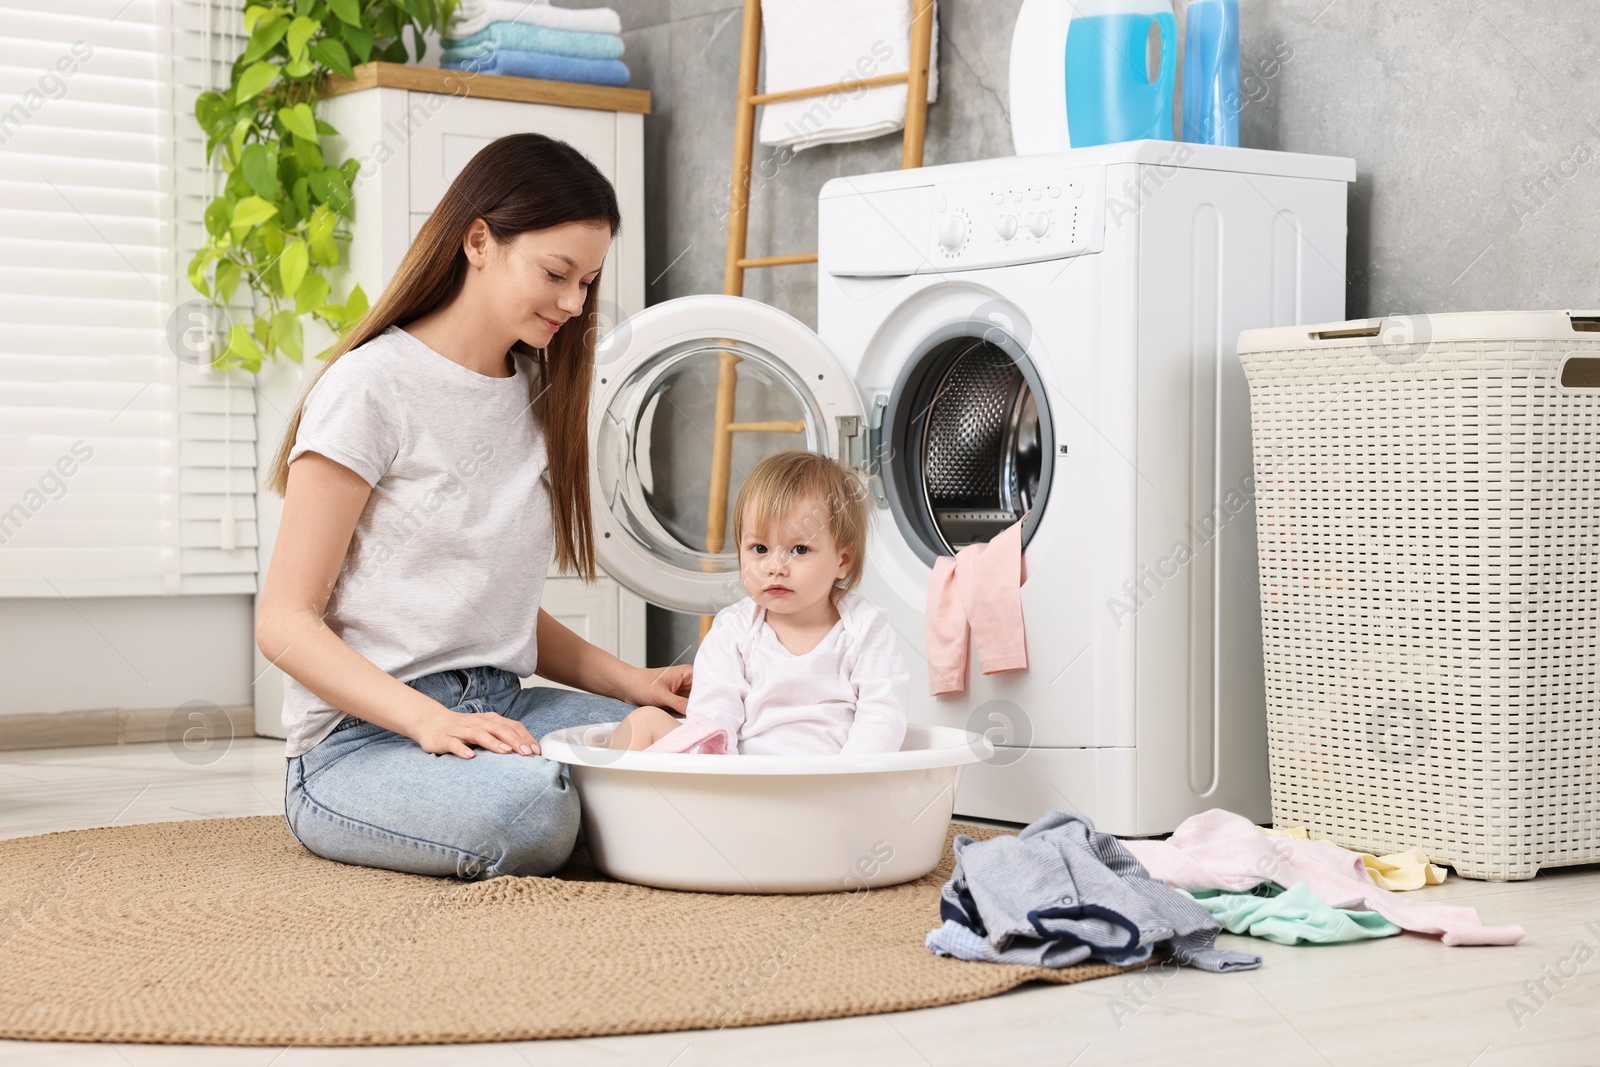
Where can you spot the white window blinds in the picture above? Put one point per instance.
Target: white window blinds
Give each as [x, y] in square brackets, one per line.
[216, 411]
[118, 461]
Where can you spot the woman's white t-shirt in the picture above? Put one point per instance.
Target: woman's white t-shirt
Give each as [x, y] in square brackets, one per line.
[449, 556]
[845, 695]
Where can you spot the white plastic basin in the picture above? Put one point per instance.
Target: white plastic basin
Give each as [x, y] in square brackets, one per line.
[767, 824]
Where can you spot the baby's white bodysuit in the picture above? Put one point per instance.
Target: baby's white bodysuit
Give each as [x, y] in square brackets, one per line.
[847, 695]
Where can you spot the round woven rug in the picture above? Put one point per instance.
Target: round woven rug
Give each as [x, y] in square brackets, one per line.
[227, 932]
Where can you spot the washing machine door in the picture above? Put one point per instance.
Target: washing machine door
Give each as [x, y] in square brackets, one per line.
[689, 395]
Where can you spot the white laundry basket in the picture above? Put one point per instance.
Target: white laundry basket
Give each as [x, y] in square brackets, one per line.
[1428, 514]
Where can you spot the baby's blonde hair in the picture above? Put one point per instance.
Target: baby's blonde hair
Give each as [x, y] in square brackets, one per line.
[781, 481]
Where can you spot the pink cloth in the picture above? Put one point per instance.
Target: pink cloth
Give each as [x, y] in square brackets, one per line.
[697, 735]
[1220, 850]
[979, 589]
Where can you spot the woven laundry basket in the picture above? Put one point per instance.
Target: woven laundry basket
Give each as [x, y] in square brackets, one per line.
[1428, 510]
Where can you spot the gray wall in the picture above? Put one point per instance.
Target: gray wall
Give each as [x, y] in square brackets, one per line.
[1476, 131]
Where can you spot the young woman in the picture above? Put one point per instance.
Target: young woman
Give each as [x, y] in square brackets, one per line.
[435, 465]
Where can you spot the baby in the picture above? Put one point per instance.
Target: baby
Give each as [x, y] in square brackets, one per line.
[802, 666]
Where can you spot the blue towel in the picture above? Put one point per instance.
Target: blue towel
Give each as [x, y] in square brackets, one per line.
[543, 65]
[522, 37]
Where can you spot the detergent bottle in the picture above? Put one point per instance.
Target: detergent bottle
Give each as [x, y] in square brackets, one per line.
[1079, 75]
[1211, 99]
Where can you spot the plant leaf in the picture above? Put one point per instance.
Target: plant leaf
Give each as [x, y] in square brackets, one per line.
[302, 197]
[308, 155]
[197, 269]
[243, 348]
[255, 78]
[260, 166]
[252, 15]
[288, 334]
[360, 41]
[252, 211]
[332, 188]
[217, 215]
[355, 306]
[299, 121]
[268, 33]
[292, 266]
[301, 30]
[208, 107]
[228, 275]
[349, 11]
[331, 54]
[312, 293]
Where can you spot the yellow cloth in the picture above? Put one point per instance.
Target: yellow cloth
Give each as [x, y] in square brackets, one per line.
[1397, 872]
[1402, 870]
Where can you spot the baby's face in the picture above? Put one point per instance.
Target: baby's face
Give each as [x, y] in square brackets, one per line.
[791, 568]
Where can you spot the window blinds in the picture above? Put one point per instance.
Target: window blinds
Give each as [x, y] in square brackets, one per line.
[118, 461]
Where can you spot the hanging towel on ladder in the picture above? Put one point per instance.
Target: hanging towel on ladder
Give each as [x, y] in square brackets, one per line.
[818, 42]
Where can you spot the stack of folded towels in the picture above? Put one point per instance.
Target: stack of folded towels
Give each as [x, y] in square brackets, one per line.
[536, 40]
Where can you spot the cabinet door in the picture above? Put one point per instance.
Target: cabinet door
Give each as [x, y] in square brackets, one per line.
[440, 149]
[590, 611]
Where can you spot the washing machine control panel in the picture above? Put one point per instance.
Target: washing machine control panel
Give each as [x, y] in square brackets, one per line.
[1034, 216]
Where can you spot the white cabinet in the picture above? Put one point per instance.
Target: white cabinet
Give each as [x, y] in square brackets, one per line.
[413, 129]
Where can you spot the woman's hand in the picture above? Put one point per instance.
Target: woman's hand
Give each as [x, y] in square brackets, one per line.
[661, 687]
[456, 732]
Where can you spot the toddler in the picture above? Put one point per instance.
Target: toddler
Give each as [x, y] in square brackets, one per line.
[802, 666]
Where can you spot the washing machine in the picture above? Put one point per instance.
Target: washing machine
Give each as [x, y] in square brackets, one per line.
[1041, 339]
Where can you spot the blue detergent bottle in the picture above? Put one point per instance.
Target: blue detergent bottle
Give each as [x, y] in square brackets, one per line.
[1110, 96]
[1211, 99]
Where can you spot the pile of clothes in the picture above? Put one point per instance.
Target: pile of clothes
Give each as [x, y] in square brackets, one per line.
[536, 40]
[1060, 893]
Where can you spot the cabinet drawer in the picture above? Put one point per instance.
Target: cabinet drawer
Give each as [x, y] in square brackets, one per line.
[440, 149]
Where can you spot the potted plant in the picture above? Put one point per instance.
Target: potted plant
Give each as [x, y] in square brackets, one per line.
[279, 222]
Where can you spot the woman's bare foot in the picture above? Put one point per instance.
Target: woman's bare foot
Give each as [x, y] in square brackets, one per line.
[642, 728]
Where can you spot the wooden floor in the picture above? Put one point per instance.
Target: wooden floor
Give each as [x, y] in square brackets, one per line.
[1404, 1000]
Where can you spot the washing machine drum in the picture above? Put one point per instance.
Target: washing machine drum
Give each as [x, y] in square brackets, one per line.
[966, 446]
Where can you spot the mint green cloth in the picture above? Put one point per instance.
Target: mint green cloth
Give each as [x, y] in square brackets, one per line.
[521, 37]
[1293, 916]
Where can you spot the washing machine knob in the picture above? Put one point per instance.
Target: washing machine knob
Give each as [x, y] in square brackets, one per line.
[953, 232]
[1039, 225]
[1006, 227]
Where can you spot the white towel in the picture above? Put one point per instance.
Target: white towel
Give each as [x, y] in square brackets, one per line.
[816, 42]
[470, 16]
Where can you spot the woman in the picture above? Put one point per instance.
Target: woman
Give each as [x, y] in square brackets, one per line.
[437, 462]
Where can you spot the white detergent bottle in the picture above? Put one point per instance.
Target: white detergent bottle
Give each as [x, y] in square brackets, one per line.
[1078, 73]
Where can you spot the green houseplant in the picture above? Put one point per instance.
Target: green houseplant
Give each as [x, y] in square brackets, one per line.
[281, 218]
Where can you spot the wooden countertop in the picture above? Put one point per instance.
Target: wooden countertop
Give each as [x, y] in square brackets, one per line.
[489, 87]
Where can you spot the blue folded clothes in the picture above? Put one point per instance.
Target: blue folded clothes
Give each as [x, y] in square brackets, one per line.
[525, 38]
[543, 65]
[1061, 892]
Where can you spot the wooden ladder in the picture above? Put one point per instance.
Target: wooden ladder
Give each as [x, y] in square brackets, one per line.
[916, 82]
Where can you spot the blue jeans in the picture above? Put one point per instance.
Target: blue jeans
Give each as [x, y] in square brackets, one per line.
[369, 796]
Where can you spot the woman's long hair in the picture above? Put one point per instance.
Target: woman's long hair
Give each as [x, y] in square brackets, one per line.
[518, 183]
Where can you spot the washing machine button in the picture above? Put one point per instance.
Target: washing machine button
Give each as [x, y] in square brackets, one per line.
[1039, 225]
[1034, 194]
[1055, 192]
[953, 233]
[998, 198]
[1077, 190]
[942, 205]
[1016, 196]
[1006, 227]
